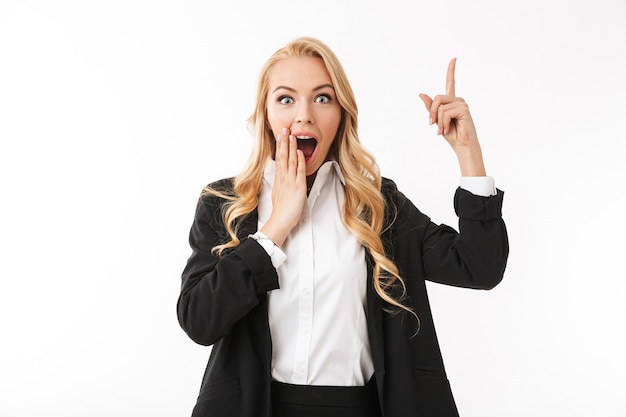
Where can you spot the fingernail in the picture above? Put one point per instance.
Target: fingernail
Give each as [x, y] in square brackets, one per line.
[430, 121]
[284, 130]
[278, 139]
[291, 138]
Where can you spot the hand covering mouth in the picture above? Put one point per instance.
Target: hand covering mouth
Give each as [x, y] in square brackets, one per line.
[307, 145]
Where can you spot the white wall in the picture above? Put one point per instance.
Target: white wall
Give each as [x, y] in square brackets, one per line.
[114, 114]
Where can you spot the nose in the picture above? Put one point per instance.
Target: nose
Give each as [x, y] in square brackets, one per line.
[304, 115]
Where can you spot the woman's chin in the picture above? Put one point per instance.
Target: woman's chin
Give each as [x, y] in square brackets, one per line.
[311, 166]
[312, 169]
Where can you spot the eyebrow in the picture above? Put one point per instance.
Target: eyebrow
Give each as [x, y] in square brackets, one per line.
[319, 87]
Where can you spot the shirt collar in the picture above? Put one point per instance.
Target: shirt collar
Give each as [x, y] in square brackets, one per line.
[323, 173]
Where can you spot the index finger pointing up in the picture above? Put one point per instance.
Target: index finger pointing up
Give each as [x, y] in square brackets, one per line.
[450, 78]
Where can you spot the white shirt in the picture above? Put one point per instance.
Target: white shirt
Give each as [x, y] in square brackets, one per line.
[317, 316]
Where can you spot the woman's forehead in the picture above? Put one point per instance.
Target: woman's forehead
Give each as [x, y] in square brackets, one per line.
[299, 72]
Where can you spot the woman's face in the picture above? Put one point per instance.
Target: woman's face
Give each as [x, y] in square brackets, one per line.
[301, 98]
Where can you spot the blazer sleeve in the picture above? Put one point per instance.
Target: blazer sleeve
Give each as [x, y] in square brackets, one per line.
[218, 292]
[475, 256]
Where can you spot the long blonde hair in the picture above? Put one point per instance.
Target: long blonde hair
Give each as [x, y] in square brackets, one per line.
[364, 210]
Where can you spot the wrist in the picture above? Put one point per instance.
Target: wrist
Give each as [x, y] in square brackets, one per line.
[471, 161]
[275, 234]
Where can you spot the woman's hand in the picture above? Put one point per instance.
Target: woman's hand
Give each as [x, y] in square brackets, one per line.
[454, 122]
[289, 191]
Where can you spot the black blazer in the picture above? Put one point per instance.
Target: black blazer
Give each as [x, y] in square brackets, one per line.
[223, 303]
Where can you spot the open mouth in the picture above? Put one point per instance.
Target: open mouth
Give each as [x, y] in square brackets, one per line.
[307, 145]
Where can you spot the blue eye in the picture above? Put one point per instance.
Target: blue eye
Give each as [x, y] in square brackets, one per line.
[322, 99]
[285, 100]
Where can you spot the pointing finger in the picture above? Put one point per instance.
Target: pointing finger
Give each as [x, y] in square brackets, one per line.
[450, 87]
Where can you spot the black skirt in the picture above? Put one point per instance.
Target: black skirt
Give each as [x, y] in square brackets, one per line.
[290, 400]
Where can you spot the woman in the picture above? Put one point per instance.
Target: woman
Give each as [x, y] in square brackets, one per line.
[308, 269]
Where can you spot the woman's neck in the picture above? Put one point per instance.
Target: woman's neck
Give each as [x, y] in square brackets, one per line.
[310, 180]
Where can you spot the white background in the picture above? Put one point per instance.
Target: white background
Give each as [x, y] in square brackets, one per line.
[114, 114]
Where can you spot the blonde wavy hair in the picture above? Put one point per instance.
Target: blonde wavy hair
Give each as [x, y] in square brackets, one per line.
[364, 210]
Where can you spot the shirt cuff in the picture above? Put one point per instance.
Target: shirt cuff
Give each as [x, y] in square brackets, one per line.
[275, 253]
[482, 186]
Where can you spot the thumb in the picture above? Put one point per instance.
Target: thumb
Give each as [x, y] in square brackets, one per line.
[427, 100]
